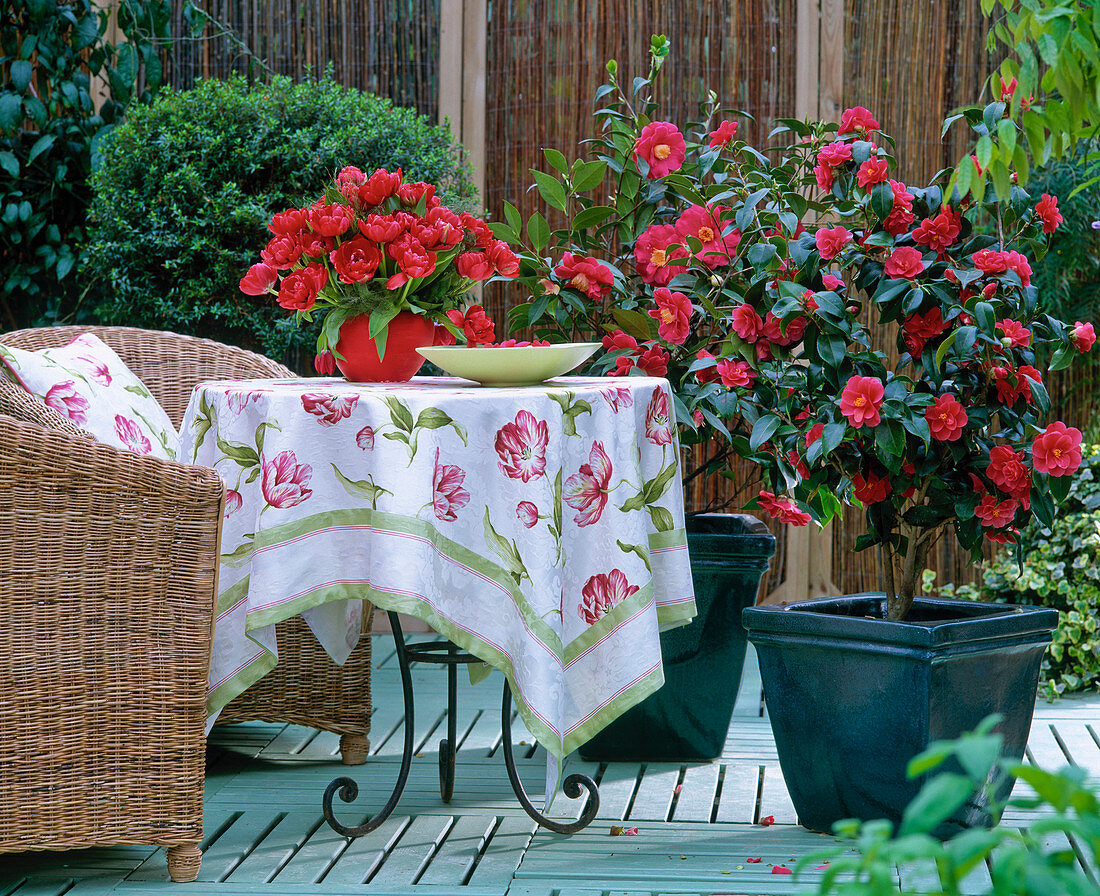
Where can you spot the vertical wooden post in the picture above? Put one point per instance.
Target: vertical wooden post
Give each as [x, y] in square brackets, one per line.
[830, 100]
[463, 39]
[807, 59]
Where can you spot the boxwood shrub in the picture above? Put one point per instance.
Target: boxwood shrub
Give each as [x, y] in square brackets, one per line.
[1059, 568]
[186, 188]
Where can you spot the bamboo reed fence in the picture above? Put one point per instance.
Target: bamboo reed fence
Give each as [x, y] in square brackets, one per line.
[520, 75]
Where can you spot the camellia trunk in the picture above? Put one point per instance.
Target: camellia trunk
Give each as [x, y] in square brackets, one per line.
[903, 572]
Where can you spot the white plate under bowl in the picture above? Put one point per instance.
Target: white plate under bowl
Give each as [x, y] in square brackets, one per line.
[521, 365]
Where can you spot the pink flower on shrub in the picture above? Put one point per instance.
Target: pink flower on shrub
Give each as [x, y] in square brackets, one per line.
[830, 240]
[782, 509]
[1046, 210]
[283, 480]
[656, 247]
[1083, 336]
[719, 240]
[329, 409]
[904, 263]
[946, 418]
[835, 154]
[735, 374]
[658, 428]
[996, 514]
[990, 261]
[586, 491]
[1017, 261]
[673, 313]
[653, 360]
[901, 215]
[527, 513]
[939, 232]
[831, 281]
[365, 438]
[746, 323]
[824, 175]
[259, 279]
[873, 171]
[521, 447]
[1016, 333]
[861, 400]
[588, 275]
[447, 492]
[1007, 471]
[602, 592]
[663, 148]
[131, 435]
[65, 399]
[858, 119]
[723, 134]
[1057, 450]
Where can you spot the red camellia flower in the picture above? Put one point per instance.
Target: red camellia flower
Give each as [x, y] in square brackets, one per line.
[1046, 210]
[709, 374]
[587, 275]
[1083, 336]
[722, 134]
[830, 240]
[996, 514]
[832, 282]
[824, 175]
[861, 400]
[1017, 335]
[298, 291]
[356, 260]
[1015, 261]
[1057, 450]
[870, 489]
[746, 323]
[475, 324]
[990, 261]
[719, 241]
[663, 148]
[946, 418]
[1006, 470]
[656, 247]
[904, 263]
[786, 511]
[871, 172]
[857, 119]
[654, 360]
[673, 312]
[918, 329]
[939, 232]
[261, 277]
[735, 374]
[379, 187]
[901, 215]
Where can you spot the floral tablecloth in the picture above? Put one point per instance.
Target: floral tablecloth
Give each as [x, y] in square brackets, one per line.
[539, 528]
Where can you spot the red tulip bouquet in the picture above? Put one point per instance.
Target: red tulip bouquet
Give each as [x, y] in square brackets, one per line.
[377, 245]
[751, 282]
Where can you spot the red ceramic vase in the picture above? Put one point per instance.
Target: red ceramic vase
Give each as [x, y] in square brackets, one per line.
[400, 360]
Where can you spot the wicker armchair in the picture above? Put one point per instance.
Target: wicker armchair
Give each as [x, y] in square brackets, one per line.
[108, 580]
[306, 687]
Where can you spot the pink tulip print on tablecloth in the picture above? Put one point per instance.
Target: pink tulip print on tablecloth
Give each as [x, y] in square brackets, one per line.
[365, 438]
[284, 480]
[521, 446]
[448, 495]
[329, 409]
[658, 420]
[67, 401]
[618, 397]
[586, 490]
[601, 593]
[131, 435]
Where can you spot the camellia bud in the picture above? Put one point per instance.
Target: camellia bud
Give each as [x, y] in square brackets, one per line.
[715, 280]
[989, 289]
[853, 309]
[1006, 342]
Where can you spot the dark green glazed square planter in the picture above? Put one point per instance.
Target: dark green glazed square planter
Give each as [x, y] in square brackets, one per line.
[689, 717]
[852, 698]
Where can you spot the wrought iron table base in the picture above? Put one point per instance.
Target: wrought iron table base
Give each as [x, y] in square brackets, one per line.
[446, 653]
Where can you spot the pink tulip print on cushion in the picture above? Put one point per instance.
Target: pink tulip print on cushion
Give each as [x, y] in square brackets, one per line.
[89, 384]
[540, 528]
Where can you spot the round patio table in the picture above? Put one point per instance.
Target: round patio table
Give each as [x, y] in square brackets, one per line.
[539, 529]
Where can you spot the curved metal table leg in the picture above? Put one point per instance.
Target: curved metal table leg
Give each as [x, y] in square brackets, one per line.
[571, 787]
[347, 787]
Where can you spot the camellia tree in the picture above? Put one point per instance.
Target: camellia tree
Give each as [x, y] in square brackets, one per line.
[697, 257]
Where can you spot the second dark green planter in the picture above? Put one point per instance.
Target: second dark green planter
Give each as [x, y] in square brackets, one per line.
[689, 717]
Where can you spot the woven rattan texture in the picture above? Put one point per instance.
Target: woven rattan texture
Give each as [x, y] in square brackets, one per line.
[109, 567]
[307, 687]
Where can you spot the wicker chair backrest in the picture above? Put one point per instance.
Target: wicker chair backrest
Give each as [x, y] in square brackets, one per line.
[170, 364]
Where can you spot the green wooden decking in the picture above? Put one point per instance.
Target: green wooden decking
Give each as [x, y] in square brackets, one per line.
[698, 824]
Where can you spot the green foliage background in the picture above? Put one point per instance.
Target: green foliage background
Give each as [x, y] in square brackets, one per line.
[188, 185]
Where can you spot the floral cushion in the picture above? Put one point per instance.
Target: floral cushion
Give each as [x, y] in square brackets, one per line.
[88, 383]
